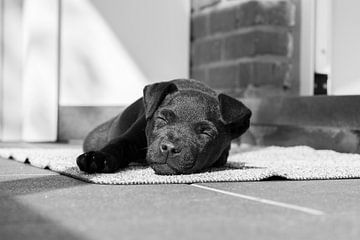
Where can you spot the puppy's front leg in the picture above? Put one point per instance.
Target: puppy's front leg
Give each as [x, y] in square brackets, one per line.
[118, 153]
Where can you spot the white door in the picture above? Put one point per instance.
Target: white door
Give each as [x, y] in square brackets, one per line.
[330, 38]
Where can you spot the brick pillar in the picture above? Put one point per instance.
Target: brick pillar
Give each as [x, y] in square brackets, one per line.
[245, 48]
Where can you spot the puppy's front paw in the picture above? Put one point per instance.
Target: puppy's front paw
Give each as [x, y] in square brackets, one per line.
[96, 162]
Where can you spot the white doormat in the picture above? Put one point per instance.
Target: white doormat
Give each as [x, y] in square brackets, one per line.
[244, 164]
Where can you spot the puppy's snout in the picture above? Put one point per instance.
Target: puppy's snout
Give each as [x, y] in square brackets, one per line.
[169, 148]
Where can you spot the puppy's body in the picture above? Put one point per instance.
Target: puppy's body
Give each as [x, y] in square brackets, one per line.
[181, 126]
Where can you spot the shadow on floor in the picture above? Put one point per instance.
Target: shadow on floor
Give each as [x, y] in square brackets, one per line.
[37, 184]
[19, 221]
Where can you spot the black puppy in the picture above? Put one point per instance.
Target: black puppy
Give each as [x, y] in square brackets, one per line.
[177, 127]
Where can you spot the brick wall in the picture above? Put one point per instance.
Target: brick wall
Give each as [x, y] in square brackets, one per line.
[246, 48]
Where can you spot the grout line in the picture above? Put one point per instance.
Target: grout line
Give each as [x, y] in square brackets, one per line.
[265, 201]
[27, 174]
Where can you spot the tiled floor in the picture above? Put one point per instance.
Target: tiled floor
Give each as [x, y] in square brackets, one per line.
[40, 204]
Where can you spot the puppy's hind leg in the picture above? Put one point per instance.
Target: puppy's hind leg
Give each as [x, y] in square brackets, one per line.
[98, 137]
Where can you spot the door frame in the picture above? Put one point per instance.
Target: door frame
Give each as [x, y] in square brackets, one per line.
[29, 89]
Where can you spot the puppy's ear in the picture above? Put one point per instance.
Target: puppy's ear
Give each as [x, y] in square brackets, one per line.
[154, 94]
[235, 115]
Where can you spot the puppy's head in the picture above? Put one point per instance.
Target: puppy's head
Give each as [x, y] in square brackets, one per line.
[188, 130]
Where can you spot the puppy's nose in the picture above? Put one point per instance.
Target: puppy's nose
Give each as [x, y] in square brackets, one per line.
[169, 148]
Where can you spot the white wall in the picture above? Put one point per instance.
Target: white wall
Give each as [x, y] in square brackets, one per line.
[345, 57]
[111, 48]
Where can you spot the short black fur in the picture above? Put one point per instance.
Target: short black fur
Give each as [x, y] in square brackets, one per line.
[177, 127]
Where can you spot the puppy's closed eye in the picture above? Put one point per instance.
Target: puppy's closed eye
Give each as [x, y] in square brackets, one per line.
[206, 128]
[162, 119]
[160, 122]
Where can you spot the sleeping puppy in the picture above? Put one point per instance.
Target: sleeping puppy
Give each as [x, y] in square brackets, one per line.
[177, 127]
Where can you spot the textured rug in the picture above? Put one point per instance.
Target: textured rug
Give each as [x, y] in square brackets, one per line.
[244, 164]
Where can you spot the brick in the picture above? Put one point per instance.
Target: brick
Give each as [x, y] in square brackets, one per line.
[275, 43]
[198, 74]
[257, 43]
[264, 73]
[271, 73]
[223, 20]
[280, 13]
[245, 72]
[199, 26]
[206, 51]
[223, 77]
[238, 46]
[197, 5]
